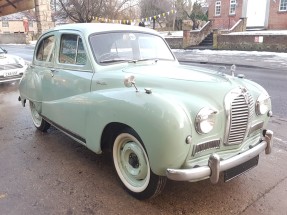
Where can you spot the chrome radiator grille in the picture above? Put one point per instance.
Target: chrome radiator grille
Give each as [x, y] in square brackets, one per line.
[239, 118]
[251, 107]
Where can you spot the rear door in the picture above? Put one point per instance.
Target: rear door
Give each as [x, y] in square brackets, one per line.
[42, 64]
[67, 84]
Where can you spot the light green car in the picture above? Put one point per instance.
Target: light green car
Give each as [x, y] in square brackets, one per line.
[120, 89]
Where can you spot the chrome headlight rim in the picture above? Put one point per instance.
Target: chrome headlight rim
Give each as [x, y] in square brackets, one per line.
[262, 104]
[205, 120]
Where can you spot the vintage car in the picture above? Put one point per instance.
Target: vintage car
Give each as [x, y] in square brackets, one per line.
[12, 67]
[119, 89]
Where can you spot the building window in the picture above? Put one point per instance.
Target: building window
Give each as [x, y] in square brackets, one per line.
[283, 5]
[5, 24]
[232, 7]
[217, 8]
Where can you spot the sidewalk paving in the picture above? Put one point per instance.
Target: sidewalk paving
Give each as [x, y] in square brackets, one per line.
[269, 60]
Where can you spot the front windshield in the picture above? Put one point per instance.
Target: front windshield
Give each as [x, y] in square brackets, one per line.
[120, 47]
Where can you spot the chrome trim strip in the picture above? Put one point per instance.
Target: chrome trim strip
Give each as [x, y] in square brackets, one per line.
[66, 131]
[212, 170]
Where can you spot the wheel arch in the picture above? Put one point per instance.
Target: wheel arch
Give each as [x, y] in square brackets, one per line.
[109, 134]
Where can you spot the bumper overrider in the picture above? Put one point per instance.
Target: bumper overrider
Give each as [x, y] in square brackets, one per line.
[216, 165]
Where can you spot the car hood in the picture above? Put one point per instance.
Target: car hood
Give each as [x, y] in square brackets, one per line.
[188, 83]
[177, 72]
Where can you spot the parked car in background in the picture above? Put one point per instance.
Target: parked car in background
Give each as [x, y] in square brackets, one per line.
[119, 88]
[12, 67]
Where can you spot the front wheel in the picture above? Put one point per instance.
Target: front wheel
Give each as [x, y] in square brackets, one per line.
[133, 167]
[38, 121]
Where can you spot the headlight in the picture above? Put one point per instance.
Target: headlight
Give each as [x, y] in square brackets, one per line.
[262, 104]
[205, 120]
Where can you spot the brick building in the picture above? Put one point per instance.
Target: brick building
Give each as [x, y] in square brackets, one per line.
[278, 14]
[267, 14]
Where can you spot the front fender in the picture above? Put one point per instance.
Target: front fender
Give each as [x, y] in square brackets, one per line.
[161, 123]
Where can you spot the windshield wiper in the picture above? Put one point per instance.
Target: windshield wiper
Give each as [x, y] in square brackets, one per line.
[145, 59]
[113, 61]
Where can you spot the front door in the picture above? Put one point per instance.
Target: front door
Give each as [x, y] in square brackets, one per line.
[256, 13]
[66, 85]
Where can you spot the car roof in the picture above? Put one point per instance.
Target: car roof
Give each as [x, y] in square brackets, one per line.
[89, 28]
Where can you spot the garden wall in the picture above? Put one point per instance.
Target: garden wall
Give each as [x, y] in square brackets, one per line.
[252, 42]
[13, 38]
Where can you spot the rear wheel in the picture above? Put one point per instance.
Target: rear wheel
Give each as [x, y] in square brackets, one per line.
[38, 121]
[133, 167]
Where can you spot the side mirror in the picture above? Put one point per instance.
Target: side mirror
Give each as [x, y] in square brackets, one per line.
[5, 51]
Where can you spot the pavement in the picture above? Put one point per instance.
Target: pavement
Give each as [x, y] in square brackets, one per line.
[269, 60]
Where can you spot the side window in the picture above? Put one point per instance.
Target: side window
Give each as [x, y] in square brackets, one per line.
[72, 50]
[81, 53]
[45, 50]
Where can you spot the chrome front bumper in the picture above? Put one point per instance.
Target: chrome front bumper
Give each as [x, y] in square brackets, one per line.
[215, 165]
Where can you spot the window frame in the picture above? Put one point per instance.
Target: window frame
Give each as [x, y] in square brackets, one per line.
[283, 4]
[217, 5]
[232, 5]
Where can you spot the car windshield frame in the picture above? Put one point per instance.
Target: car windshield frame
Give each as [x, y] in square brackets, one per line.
[128, 46]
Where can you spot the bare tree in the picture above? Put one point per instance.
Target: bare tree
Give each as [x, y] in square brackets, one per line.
[86, 10]
[80, 10]
[151, 8]
[188, 9]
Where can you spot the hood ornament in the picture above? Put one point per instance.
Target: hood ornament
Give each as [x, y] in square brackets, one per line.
[232, 70]
[129, 81]
[244, 92]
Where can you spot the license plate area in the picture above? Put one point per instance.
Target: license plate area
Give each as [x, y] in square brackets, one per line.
[240, 169]
[7, 74]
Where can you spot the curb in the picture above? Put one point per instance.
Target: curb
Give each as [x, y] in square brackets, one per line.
[224, 64]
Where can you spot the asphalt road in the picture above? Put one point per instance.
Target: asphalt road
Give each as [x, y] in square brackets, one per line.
[49, 173]
[24, 51]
